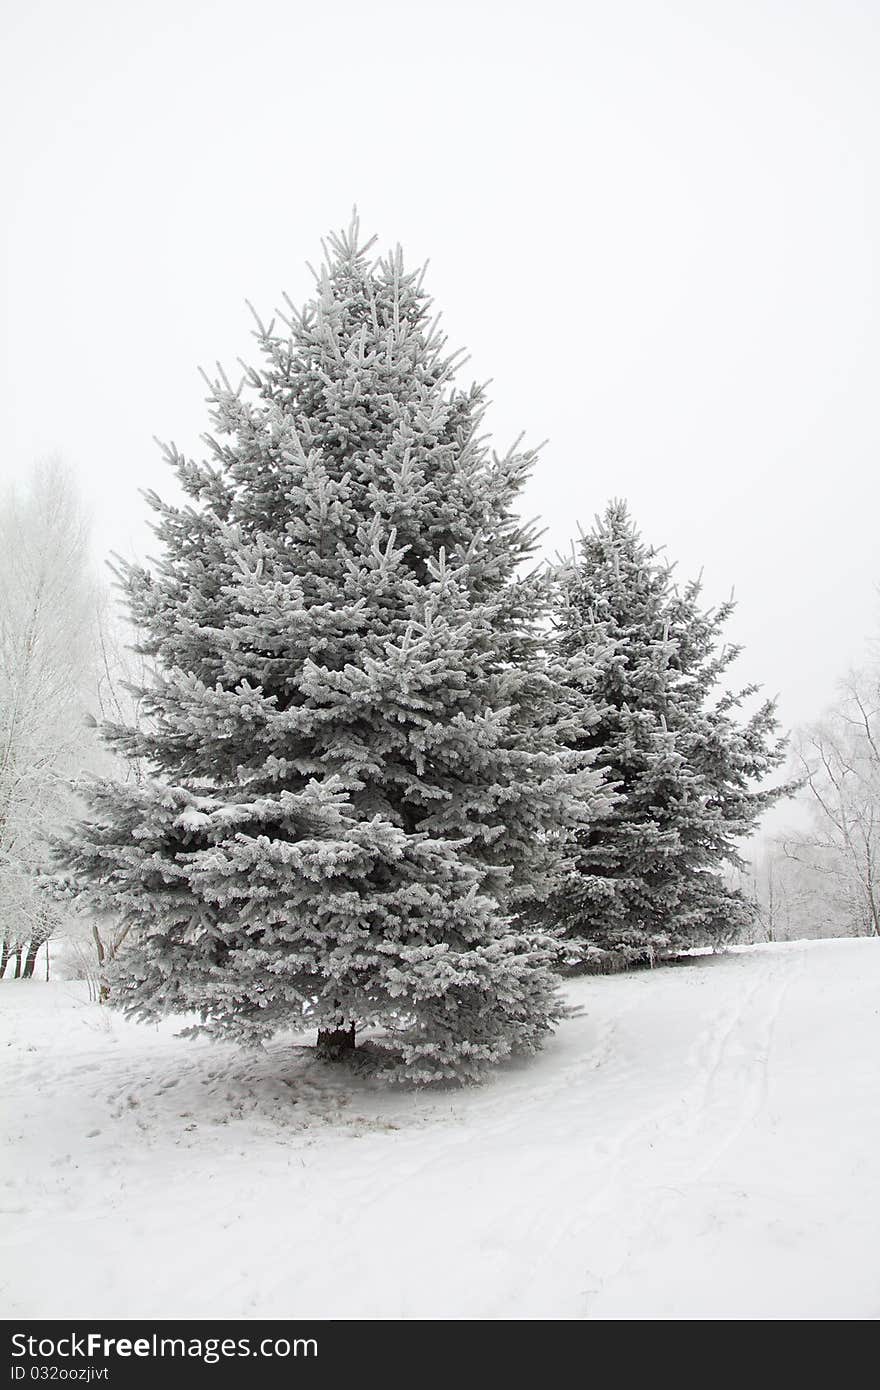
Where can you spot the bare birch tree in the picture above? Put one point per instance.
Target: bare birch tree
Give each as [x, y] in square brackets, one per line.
[48, 601]
[839, 758]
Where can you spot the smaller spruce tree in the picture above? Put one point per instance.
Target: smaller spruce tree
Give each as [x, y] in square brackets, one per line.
[644, 661]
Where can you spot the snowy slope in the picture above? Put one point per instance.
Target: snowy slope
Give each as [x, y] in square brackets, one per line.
[701, 1142]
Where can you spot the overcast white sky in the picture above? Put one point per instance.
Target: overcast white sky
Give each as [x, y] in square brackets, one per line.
[655, 227]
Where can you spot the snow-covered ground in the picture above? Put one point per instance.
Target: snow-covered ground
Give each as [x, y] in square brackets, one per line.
[703, 1141]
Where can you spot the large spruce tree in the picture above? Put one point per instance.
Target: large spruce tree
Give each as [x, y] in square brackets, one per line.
[352, 794]
[645, 660]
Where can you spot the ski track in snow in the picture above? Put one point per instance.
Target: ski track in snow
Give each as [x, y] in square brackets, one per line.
[699, 1142]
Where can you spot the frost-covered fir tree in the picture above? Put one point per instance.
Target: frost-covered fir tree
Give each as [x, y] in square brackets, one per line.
[645, 661]
[352, 794]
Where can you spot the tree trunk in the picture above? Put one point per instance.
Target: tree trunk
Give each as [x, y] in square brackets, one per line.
[103, 988]
[335, 1043]
[30, 960]
[5, 953]
[17, 972]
